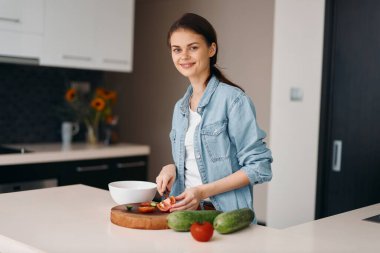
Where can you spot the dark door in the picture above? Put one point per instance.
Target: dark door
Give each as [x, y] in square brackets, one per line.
[349, 154]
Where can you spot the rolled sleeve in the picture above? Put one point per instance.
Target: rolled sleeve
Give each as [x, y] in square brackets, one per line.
[253, 156]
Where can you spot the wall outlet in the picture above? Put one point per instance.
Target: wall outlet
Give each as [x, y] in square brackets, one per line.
[296, 94]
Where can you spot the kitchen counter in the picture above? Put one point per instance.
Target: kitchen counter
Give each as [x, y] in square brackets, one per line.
[53, 152]
[76, 219]
[11, 246]
[344, 229]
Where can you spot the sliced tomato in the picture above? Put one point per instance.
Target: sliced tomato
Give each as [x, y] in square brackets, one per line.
[167, 201]
[163, 206]
[166, 204]
[150, 203]
[146, 209]
[172, 200]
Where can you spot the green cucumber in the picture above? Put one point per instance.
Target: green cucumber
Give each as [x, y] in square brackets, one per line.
[182, 220]
[232, 221]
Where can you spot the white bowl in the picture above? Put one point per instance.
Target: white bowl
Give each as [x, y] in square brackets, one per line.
[128, 192]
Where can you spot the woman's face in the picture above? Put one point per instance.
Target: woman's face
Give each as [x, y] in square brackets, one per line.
[191, 54]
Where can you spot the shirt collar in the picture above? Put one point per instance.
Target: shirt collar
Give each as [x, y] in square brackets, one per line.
[210, 89]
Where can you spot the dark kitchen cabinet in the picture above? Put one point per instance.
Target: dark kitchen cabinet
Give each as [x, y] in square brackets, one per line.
[96, 172]
[100, 172]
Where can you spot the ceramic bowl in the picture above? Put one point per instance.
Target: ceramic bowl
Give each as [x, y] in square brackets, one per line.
[128, 192]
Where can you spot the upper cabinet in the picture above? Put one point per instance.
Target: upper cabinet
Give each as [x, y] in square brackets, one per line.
[21, 28]
[86, 34]
[69, 39]
[114, 34]
[91, 34]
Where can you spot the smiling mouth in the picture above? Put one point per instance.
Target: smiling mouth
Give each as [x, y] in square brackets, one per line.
[187, 65]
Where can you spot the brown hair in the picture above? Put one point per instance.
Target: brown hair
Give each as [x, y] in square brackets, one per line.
[201, 26]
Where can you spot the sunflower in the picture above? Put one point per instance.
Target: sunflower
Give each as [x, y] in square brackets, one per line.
[98, 104]
[107, 95]
[70, 94]
[111, 120]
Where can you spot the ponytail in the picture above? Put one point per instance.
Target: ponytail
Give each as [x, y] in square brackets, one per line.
[216, 72]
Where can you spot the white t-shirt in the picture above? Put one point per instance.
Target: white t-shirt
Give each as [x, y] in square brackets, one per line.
[192, 176]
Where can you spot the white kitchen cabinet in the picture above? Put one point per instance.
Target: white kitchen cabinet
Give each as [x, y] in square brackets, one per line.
[89, 34]
[21, 28]
[114, 34]
[69, 34]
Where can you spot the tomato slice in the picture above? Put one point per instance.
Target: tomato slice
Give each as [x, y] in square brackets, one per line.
[145, 204]
[167, 201]
[166, 204]
[163, 206]
[172, 200]
[146, 209]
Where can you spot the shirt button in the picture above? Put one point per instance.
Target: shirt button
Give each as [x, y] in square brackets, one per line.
[198, 156]
[199, 110]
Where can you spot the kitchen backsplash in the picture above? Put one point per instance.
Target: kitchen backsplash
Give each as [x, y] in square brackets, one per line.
[32, 99]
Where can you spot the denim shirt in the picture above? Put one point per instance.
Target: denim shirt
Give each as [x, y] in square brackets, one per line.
[226, 140]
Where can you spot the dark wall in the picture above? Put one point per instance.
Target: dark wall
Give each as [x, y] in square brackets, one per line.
[32, 101]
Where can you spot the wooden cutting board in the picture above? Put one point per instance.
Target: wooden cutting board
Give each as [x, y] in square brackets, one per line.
[135, 219]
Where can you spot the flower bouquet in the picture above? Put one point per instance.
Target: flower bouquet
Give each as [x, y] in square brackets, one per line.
[92, 109]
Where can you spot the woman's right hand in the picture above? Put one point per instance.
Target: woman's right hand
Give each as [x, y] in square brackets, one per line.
[166, 178]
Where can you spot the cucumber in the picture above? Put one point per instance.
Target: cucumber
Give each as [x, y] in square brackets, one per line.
[182, 220]
[232, 221]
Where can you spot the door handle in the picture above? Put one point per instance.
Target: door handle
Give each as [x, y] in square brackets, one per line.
[115, 61]
[76, 57]
[11, 20]
[130, 165]
[92, 168]
[337, 155]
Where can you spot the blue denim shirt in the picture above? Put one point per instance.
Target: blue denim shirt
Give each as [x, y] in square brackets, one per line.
[226, 140]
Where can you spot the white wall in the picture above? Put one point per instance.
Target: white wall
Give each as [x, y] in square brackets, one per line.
[294, 126]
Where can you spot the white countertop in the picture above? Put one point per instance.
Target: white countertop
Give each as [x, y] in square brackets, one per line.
[53, 152]
[344, 229]
[76, 219]
[9, 245]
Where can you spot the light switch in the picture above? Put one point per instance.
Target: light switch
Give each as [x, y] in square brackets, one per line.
[296, 94]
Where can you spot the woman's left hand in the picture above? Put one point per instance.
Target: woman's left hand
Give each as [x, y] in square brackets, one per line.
[188, 200]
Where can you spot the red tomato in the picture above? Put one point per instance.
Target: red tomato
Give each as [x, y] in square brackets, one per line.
[202, 232]
[166, 204]
[146, 209]
[163, 206]
[167, 201]
[172, 200]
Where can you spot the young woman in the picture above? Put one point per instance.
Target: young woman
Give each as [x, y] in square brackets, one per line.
[217, 146]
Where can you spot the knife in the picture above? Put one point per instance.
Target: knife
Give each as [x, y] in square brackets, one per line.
[165, 195]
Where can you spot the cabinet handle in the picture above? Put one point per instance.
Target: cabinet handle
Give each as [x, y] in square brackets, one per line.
[115, 61]
[337, 155]
[92, 168]
[76, 57]
[130, 165]
[11, 20]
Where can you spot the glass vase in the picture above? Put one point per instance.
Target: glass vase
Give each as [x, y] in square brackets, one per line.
[92, 135]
